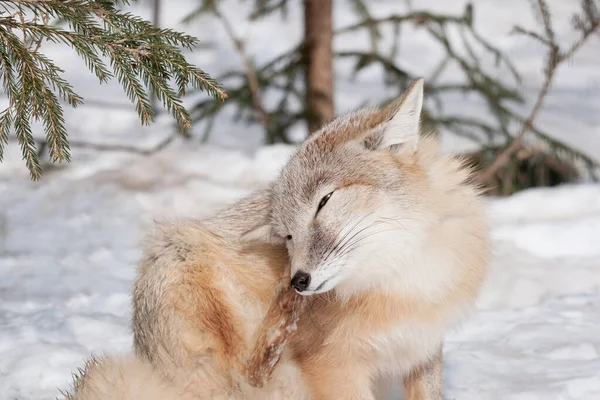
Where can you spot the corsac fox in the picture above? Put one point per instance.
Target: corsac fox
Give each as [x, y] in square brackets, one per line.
[384, 235]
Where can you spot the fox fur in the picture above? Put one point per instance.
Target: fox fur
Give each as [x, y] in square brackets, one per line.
[392, 234]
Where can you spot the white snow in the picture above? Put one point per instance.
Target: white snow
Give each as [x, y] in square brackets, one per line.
[69, 244]
[69, 248]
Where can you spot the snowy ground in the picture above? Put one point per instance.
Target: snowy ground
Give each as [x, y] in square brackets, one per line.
[69, 244]
[69, 248]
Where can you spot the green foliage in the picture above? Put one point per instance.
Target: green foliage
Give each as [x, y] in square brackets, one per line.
[112, 43]
[587, 23]
[283, 75]
[464, 48]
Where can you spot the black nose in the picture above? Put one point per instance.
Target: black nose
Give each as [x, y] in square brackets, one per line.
[300, 281]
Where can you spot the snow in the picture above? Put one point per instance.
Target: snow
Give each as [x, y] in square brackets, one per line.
[69, 248]
[69, 244]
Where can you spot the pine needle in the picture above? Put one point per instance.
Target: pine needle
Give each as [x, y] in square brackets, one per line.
[140, 55]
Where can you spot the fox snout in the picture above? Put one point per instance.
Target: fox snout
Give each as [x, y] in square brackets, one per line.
[305, 285]
[301, 281]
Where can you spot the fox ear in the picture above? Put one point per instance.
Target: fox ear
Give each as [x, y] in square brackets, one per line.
[261, 233]
[403, 128]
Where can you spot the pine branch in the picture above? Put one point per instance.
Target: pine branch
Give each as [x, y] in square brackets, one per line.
[280, 75]
[250, 72]
[365, 59]
[139, 55]
[25, 137]
[205, 7]
[554, 58]
[566, 152]
[418, 17]
[111, 147]
[264, 8]
[6, 121]
[370, 23]
[493, 91]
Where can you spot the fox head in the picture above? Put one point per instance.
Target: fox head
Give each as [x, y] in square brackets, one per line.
[355, 203]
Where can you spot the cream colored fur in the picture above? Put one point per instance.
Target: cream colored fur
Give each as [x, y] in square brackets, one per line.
[122, 378]
[378, 310]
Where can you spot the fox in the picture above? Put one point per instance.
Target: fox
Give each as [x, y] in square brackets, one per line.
[382, 235]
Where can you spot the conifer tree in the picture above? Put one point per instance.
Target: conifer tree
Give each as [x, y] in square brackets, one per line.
[286, 78]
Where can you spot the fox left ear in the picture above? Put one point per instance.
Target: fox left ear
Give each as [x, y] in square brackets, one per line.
[403, 128]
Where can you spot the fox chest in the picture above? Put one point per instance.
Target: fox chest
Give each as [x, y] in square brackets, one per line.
[400, 348]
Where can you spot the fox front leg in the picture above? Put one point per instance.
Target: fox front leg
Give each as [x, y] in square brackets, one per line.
[426, 382]
[337, 379]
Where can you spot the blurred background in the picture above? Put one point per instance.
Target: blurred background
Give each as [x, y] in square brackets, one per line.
[512, 85]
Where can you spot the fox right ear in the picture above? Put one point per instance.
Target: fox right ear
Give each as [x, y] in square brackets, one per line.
[402, 128]
[261, 233]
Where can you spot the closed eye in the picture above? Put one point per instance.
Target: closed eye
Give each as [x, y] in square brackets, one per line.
[323, 201]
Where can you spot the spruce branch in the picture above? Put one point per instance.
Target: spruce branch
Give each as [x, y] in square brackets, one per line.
[370, 23]
[111, 147]
[418, 17]
[264, 8]
[240, 46]
[480, 81]
[6, 122]
[282, 75]
[554, 58]
[464, 49]
[139, 54]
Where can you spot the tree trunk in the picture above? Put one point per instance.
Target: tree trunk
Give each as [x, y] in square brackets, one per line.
[318, 59]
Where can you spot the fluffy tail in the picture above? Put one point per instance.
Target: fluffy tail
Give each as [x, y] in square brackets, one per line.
[123, 377]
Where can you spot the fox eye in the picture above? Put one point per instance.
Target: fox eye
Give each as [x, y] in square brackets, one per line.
[288, 237]
[323, 201]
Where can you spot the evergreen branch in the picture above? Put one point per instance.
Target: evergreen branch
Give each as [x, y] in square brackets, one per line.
[205, 7]
[553, 59]
[25, 137]
[113, 147]
[137, 52]
[364, 59]
[493, 91]
[54, 126]
[281, 74]
[50, 73]
[8, 73]
[533, 35]
[126, 75]
[163, 92]
[10, 86]
[250, 72]
[282, 58]
[395, 47]
[265, 8]
[418, 17]
[85, 45]
[565, 151]
[373, 27]
[458, 125]
[36, 73]
[6, 121]
[588, 24]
